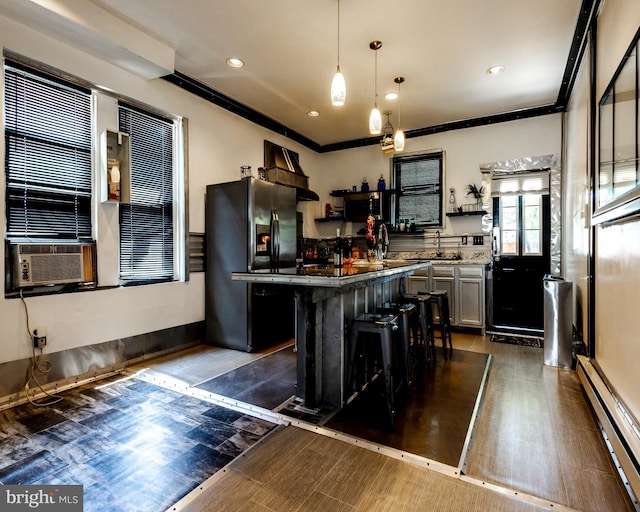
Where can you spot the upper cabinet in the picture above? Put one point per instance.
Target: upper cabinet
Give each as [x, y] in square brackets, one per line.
[115, 170]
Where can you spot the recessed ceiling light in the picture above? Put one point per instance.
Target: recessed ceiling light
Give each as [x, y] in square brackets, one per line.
[313, 113]
[495, 70]
[391, 95]
[234, 63]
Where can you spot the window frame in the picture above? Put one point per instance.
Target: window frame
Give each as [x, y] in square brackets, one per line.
[521, 228]
[148, 275]
[79, 224]
[438, 188]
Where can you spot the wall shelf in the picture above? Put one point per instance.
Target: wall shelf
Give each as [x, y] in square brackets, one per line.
[465, 214]
[115, 153]
[342, 193]
[330, 219]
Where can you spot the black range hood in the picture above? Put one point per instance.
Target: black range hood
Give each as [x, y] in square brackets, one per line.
[283, 167]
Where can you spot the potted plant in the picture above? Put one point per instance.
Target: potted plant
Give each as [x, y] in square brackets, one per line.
[473, 190]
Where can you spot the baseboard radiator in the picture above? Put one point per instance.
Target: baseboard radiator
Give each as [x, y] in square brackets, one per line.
[623, 434]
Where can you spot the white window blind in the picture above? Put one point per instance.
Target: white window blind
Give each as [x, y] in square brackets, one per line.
[48, 156]
[146, 224]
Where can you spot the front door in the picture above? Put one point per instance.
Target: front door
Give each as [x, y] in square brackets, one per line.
[522, 231]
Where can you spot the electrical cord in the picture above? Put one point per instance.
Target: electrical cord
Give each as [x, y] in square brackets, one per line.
[37, 367]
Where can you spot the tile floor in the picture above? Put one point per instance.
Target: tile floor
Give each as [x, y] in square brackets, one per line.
[133, 446]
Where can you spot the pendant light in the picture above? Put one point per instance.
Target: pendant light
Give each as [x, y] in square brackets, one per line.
[387, 135]
[338, 85]
[375, 119]
[398, 139]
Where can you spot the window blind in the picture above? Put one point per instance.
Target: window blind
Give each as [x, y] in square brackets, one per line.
[47, 156]
[146, 224]
[418, 183]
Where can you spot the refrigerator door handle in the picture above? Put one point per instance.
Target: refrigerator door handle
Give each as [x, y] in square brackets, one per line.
[274, 256]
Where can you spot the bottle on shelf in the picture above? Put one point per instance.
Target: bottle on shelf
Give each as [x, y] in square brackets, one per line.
[323, 252]
[337, 250]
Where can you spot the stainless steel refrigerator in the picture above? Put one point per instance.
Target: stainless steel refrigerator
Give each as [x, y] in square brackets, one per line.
[250, 224]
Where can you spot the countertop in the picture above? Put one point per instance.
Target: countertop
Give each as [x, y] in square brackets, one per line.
[330, 276]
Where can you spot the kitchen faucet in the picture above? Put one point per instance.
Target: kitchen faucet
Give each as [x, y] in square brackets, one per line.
[439, 252]
[383, 237]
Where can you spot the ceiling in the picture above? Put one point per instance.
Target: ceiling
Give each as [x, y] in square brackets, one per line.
[442, 48]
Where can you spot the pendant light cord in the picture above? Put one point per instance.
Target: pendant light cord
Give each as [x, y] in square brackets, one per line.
[375, 81]
[399, 99]
[338, 34]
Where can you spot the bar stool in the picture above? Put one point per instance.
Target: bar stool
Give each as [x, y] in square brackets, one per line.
[440, 298]
[367, 329]
[407, 318]
[425, 321]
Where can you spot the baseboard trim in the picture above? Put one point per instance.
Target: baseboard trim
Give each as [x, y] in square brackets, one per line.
[620, 433]
[79, 365]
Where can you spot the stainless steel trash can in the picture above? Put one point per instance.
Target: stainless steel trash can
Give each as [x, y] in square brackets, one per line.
[558, 321]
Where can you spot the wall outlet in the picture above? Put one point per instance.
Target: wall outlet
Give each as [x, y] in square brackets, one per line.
[40, 337]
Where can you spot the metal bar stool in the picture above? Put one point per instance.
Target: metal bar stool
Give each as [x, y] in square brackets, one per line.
[407, 318]
[366, 330]
[425, 321]
[440, 298]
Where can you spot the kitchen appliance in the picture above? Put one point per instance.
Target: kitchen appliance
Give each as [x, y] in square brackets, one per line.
[250, 224]
[282, 166]
[359, 205]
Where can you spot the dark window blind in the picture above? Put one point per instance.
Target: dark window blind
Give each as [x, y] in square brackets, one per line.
[146, 224]
[47, 156]
[418, 183]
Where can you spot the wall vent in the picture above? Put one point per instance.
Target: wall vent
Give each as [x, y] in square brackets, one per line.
[46, 264]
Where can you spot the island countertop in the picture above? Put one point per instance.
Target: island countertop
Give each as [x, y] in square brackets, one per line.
[329, 276]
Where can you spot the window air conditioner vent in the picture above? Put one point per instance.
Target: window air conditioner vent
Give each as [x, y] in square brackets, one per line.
[45, 264]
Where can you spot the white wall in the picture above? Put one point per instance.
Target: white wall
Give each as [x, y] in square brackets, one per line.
[464, 150]
[617, 264]
[575, 180]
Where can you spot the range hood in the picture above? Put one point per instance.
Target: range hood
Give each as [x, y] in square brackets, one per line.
[283, 167]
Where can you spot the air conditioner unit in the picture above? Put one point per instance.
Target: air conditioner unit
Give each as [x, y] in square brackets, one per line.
[43, 264]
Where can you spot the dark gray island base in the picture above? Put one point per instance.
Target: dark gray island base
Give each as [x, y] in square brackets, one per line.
[327, 300]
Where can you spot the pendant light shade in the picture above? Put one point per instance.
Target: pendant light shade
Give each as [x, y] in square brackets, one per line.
[338, 89]
[375, 119]
[338, 84]
[398, 139]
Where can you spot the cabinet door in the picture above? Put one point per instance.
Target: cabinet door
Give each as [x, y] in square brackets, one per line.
[470, 312]
[443, 278]
[471, 296]
[417, 284]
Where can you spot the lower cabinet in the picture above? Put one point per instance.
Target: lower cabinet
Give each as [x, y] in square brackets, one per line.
[470, 296]
[466, 289]
[443, 277]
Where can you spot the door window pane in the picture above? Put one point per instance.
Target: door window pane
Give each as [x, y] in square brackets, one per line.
[521, 225]
[509, 242]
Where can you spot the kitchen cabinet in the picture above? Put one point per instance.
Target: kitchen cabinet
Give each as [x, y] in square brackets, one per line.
[465, 287]
[443, 277]
[470, 296]
[418, 282]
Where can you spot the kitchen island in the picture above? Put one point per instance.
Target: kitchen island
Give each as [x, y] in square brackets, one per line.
[328, 298]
